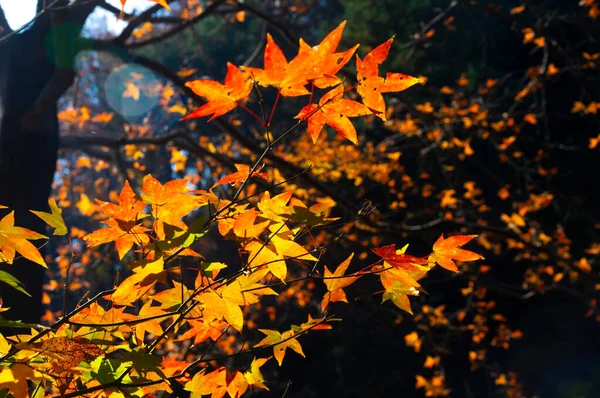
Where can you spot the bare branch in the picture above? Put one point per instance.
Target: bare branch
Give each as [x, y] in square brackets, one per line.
[117, 11]
[137, 21]
[177, 29]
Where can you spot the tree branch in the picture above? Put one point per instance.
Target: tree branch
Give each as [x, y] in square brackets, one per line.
[117, 11]
[177, 29]
[137, 21]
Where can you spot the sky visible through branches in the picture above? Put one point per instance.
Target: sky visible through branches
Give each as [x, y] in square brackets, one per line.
[20, 12]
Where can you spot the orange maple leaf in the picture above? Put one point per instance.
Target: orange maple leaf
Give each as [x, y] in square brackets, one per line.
[371, 85]
[319, 64]
[123, 223]
[333, 110]
[16, 240]
[221, 98]
[445, 251]
[335, 283]
[244, 226]
[277, 73]
[242, 173]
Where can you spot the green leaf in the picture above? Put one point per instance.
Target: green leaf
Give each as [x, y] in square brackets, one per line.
[19, 324]
[13, 282]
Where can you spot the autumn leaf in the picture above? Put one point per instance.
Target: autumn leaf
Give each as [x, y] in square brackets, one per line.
[335, 283]
[201, 330]
[213, 383]
[371, 86]
[276, 72]
[273, 253]
[318, 63]
[224, 304]
[170, 203]
[242, 174]
[254, 377]
[334, 111]
[221, 98]
[16, 377]
[131, 91]
[53, 219]
[405, 261]
[280, 342]
[244, 226]
[327, 62]
[146, 274]
[66, 352]
[16, 240]
[150, 326]
[123, 224]
[445, 251]
[123, 238]
[398, 293]
[399, 282]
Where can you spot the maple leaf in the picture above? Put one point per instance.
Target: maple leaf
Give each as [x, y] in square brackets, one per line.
[64, 351]
[275, 208]
[16, 377]
[401, 260]
[400, 282]
[254, 377]
[371, 86]
[221, 98]
[333, 110]
[16, 240]
[170, 203]
[445, 251]
[399, 293]
[273, 253]
[124, 239]
[314, 216]
[123, 226]
[280, 343]
[319, 64]
[150, 326]
[336, 282]
[213, 383]
[244, 226]
[146, 274]
[224, 303]
[201, 330]
[170, 299]
[129, 209]
[276, 72]
[242, 174]
[53, 219]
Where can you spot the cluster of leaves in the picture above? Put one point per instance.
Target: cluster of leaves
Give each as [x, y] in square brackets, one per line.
[501, 150]
[121, 341]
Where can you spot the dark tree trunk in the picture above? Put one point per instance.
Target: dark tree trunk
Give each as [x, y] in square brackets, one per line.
[36, 67]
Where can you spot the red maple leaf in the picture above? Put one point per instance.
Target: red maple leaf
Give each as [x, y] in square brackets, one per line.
[389, 255]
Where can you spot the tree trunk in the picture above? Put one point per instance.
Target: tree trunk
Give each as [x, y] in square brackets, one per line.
[36, 67]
